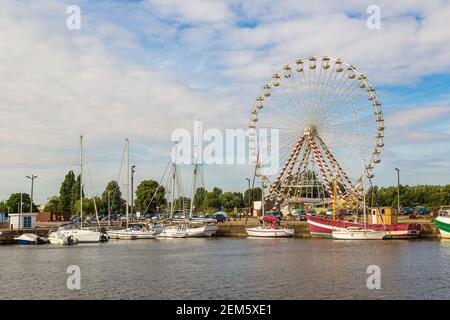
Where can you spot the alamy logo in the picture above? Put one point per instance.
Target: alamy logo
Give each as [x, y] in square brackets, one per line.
[374, 19]
[374, 280]
[236, 146]
[74, 280]
[73, 22]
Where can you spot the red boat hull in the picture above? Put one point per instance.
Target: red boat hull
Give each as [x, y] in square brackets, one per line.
[323, 227]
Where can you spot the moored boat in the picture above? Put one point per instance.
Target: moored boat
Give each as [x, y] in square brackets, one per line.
[323, 226]
[136, 231]
[206, 230]
[174, 231]
[270, 229]
[59, 238]
[30, 238]
[442, 222]
[356, 233]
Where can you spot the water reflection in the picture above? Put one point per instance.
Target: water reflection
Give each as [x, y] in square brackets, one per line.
[220, 268]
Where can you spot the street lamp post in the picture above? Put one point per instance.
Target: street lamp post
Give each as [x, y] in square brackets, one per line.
[32, 177]
[398, 190]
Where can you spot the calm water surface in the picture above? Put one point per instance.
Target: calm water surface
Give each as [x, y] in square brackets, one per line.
[223, 268]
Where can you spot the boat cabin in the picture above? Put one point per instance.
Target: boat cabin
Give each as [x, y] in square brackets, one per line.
[388, 215]
[444, 213]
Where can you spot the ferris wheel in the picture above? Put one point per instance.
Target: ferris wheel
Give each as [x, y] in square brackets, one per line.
[329, 120]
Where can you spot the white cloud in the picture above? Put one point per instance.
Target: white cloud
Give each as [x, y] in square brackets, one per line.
[132, 69]
[194, 11]
[411, 117]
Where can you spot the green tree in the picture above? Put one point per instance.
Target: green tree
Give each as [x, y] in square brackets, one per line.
[145, 192]
[199, 198]
[13, 203]
[115, 198]
[213, 200]
[3, 206]
[255, 195]
[231, 200]
[65, 192]
[88, 206]
[217, 191]
[182, 204]
[75, 194]
[53, 205]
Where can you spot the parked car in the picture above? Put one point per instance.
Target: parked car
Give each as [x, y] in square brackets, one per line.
[406, 210]
[75, 219]
[219, 217]
[422, 210]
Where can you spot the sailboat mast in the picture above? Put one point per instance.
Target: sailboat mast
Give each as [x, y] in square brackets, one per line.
[81, 181]
[194, 185]
[262, 197]
[127, 161]
[172, 204]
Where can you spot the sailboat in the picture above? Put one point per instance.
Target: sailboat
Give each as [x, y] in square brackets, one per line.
[132, 231]
[81, 235]
[271, 227]
[173, 230]
[357, 232]
[198, 228]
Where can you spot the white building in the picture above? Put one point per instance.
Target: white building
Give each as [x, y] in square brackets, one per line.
[22, 221]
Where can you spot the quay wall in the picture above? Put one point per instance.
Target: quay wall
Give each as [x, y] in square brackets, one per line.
[237, 229]
[227, 229]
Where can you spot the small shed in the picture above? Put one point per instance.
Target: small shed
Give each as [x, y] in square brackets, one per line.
[18, 221]
[388, 215]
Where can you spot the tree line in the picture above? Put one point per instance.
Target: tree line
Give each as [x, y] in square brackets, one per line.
[151, 198]
[430, 196]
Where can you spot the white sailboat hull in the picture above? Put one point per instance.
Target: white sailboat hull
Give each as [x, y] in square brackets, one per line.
[262, 232]
[206, 230]
[173, 232]
[131, 234]
[361, 234]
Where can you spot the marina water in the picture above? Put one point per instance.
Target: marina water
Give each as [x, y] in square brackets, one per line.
[228, 268]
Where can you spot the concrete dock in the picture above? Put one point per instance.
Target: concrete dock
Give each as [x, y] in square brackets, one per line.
[237, 228]
[227, 229]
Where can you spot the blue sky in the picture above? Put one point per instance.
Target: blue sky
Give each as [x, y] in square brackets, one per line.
[141, 69]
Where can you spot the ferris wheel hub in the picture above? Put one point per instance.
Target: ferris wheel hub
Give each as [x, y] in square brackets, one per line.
[310, 130]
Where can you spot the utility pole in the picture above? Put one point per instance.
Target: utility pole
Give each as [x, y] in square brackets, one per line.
[127, 184]
[133, 170]
[81, 182]
[19, 209]
[398, 190]
[109, 207]
[249, 199]
[32, 177]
